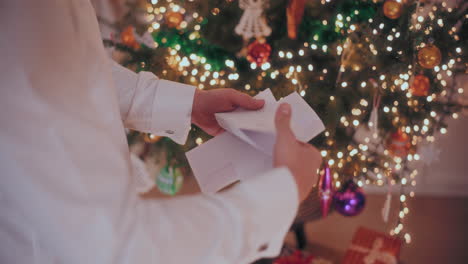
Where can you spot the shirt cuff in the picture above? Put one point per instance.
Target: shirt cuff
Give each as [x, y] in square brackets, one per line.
[274, 196]
[172, 110]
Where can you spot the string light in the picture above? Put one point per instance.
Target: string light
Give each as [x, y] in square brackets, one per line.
[199, 69]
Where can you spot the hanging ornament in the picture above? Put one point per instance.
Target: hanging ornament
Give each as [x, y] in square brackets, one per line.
[429, 57]
[258, 52]
[349, 200]
[429, 153]
[173, 19]
[169, 180]
[387, 204]
[364, 135]
[398, 144]
[392, 9]
[386, 207]
[151, 138]
[252, 23]
[294, 13]
[369, 135]
[355, 54]
[325, 190]
[128, 38]
[374, 117]
[420, 86]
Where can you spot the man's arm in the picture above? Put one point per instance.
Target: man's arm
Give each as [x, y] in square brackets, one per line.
[238, 226]
[167, 108]
[246, 222]
[242, 227]
[151, 105]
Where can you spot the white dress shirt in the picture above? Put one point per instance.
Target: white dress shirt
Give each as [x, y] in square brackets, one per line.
[67, 193]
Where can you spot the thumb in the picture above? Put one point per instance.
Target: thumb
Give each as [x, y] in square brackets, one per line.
[283, 123]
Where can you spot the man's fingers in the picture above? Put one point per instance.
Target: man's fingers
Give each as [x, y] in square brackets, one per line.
[283, 123]
[245, 101]
[214, 131]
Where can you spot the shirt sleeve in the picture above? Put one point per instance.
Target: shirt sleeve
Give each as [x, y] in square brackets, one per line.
[151, 105]
[243, 224]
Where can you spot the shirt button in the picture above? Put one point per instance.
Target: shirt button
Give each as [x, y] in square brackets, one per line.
[263, 248]
[170, 132]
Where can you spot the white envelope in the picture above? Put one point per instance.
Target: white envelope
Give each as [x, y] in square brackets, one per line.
[246, 148]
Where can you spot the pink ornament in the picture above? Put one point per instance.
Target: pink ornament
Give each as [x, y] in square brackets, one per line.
[325, 191]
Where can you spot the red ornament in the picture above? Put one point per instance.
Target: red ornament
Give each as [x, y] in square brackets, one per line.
[295, 258]
[294, 13]
[258, 52]
[399, 144]
[420, 86]
[128, 38]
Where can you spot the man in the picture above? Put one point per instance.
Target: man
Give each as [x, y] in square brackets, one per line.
[67, 194]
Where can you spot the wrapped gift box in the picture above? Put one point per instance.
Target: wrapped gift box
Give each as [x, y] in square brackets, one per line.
[372, 247]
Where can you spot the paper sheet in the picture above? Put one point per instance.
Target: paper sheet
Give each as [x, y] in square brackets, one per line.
[246, 148]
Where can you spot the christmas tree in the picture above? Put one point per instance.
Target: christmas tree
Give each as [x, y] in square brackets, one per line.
[380, 74]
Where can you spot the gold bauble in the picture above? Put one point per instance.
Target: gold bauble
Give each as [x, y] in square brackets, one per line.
[392, 9]
[429, 57]
[173, 19]
[215, 11]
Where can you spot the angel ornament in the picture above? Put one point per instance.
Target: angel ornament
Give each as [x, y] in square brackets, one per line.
[252, 23]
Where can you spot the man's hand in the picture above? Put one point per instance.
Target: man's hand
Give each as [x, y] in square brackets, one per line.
[207, 103]
[303, 160]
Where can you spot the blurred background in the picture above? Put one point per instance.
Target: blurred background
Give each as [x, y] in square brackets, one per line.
[387, 78]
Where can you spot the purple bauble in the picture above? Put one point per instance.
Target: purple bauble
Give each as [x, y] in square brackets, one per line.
[349, 200]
